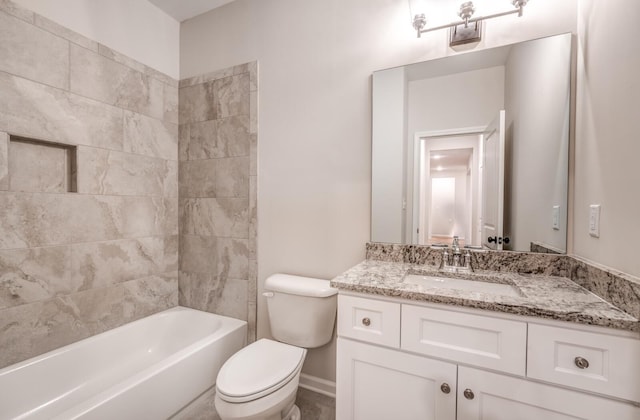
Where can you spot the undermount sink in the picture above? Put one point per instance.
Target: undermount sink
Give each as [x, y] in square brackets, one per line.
[436, 282]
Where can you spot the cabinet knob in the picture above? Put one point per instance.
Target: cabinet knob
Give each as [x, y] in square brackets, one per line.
[581, 362]
[445, 388]
[468, 394]
[366, 322]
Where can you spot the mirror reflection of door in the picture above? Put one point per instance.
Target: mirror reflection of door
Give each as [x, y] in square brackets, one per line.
[493, 183]
[447, 197]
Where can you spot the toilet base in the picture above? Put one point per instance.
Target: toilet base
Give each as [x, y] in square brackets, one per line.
[293, 414]
[276, 406]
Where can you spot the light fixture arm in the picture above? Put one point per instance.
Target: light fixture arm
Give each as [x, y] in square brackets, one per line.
[419, 21]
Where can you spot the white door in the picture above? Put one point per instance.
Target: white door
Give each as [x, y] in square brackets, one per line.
[491, 396]
[493, 182]
[375, 383]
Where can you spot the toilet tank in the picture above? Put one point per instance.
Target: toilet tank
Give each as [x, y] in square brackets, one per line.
[302, 310]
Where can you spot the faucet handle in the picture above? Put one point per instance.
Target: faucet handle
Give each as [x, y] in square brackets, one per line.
[467, 259]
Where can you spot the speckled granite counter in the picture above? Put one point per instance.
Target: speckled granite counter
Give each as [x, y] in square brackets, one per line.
[543, 296]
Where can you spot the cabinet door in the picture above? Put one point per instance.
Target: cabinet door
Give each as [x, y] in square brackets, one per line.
[499, 397]
[375, 383]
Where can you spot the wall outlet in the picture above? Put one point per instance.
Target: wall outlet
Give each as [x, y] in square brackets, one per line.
[555, 224]
[594, 220]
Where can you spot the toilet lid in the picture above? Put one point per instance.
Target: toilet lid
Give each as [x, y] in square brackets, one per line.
[258, 369]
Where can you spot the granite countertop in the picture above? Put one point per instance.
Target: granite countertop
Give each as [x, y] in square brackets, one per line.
[535, 295]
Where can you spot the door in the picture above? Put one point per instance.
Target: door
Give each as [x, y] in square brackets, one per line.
[490, 396]
[493, 182]
[375, 383]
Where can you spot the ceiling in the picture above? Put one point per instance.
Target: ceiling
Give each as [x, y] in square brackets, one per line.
[182, 10]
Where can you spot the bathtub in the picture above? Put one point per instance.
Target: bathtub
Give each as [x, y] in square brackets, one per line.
[148, 369]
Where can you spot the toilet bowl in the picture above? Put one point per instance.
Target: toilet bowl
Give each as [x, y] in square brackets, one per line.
[260, 381]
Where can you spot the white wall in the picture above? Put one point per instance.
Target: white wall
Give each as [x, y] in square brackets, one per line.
[608, 133]
[315, 64]
[135, 28]
[537, 99]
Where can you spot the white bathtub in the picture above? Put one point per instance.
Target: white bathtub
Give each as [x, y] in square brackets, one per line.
[147, 369]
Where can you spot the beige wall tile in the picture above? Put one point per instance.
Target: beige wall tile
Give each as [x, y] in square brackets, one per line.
[131, 63]
[39, 167]
[35, 328]
[216, 256]
[198, 178]
[233, 137]
[4, 161]
[197, 103]
[33, 110]
[232, 177]
[149, 295]
[102, 171]
[228, 137]
[171, 244]
[253, 217]
[34, 219]
[222, 217]
[103, 264]
[100, 78]
[183, 142]
[232, 96]
[253, 112]
[33, 53]
[74, 265]
[220, 295]
[13, 9]
[170, 103]
[190, 285]
[61, 31]
[150, 137]
[30, 275]
[202, 141]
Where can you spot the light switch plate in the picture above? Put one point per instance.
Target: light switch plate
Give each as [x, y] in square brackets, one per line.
[594, 220]
[556, 218]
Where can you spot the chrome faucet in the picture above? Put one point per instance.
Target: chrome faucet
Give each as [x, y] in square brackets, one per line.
[453, 263]
[456, 246]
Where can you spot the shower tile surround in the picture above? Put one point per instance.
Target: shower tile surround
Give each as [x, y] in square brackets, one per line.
[616, 288]
[217, 184]
[75, 264]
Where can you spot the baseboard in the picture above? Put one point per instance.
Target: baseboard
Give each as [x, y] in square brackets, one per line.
[319, 385]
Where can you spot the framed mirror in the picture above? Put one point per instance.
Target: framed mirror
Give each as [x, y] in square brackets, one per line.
[475, 146]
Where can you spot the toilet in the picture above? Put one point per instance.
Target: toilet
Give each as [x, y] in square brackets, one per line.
[261, 380]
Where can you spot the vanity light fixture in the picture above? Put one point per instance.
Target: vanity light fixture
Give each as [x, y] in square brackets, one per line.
[469, 29]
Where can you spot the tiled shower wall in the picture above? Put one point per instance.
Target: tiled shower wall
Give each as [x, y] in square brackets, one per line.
[217, 150]
[74, 264]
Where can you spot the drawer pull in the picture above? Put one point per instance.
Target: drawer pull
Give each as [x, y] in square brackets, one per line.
[445, 388]
[468, 394]
[581, 362]
[366, 322]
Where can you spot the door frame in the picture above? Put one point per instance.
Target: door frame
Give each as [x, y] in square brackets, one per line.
[418, 137]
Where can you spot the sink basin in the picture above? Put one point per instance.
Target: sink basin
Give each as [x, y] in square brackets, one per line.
[435, 282]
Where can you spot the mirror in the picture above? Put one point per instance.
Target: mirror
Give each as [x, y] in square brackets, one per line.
[476, 146]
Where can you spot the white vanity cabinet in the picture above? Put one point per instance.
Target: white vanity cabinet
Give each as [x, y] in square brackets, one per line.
[379, 383]
[403, 361]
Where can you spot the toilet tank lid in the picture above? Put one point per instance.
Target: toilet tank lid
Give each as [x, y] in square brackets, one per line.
[298, 285]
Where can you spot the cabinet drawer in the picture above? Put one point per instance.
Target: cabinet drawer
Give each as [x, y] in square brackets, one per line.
[369, 320]
[492, 343]
[595, 362]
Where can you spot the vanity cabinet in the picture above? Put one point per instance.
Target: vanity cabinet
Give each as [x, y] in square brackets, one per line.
[403, 361]
[500, 397]
[379, 383]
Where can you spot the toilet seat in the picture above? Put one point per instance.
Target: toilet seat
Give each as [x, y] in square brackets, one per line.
[257, 370]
